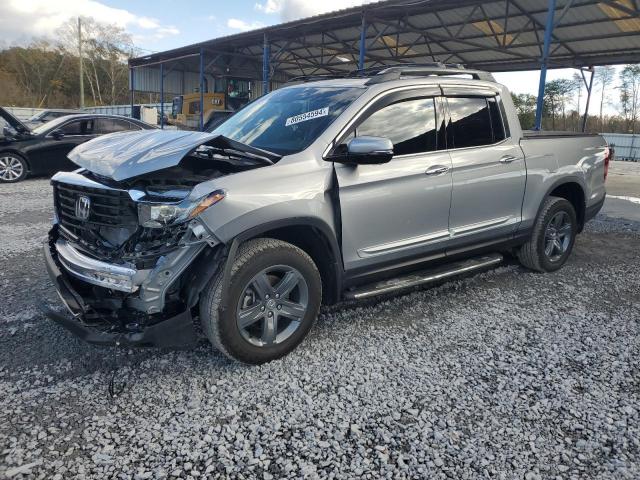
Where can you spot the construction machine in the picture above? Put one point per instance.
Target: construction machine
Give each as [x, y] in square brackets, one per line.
[185, 110]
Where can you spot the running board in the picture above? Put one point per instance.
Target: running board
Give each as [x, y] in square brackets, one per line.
[424, 276]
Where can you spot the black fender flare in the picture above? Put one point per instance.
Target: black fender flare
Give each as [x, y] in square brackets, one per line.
[336, 267]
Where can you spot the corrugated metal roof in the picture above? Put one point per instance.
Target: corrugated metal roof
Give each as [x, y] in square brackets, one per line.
[502, 35]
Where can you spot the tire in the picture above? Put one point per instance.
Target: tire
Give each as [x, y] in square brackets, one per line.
[255, 326]
[13, 168]
[544, 251]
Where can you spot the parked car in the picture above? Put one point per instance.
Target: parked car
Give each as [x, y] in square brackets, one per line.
[47, 115]
[43, 150]
[315, 193]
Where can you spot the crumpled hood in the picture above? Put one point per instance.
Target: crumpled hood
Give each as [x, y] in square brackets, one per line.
[129, 154]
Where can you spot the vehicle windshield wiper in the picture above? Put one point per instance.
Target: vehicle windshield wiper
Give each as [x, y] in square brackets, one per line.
[235, 150]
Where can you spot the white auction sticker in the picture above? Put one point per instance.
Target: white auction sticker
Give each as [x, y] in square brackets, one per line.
[303, 117]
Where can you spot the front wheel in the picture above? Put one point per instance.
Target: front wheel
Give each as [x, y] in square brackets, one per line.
[272, 301]
[13, 168]
[554, 234]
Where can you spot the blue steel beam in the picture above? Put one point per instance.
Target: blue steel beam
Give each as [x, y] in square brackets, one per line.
[548, 31]
[162, 95]
[589, 89]
[363, 42]
[201, 89]
[133, 92]
[266, 58]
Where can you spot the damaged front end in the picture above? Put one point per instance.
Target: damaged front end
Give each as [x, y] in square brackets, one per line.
[129, 257]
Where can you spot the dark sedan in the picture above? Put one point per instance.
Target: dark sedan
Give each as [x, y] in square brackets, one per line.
[43, 150]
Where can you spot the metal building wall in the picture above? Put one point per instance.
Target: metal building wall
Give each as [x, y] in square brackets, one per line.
[627, 147]
[177, 82]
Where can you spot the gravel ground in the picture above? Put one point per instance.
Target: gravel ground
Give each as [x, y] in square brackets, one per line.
[507, 374]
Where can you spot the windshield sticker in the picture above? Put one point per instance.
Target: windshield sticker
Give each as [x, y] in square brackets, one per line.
[303, 117]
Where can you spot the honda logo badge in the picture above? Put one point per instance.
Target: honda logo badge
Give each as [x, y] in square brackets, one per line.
[83, 206]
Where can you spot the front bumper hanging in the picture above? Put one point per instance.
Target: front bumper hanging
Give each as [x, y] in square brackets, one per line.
[177, 331]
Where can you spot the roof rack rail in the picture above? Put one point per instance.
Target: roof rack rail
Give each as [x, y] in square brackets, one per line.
[395, 72]
[387, 73]
[313, 78]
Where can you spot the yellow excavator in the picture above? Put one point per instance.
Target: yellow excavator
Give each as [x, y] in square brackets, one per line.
[218, 106]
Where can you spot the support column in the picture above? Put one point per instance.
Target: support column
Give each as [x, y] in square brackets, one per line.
[363, 42]
[589, 88]
[132, 87]
[162, 95]
[548, 31]
[266, 58]
[201, 89]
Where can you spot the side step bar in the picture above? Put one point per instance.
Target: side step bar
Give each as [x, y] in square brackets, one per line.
[424, 276]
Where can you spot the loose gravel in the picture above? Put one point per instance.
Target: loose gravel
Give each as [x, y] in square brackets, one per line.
[508, 374]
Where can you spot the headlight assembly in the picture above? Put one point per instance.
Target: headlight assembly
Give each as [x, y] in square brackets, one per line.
[159, 215]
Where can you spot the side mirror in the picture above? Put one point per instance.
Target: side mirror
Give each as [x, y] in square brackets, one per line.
[365, 151]
[8, 131]
[57, 134]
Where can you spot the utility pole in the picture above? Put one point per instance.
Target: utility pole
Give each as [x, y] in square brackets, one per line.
[80, 57]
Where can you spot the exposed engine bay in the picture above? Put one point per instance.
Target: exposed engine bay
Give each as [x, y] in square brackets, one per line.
[119, 229]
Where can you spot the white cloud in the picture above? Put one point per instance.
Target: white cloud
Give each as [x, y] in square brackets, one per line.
[295, 9]
[269, 6]
[21, 20]
[243, 26]
[147, 23]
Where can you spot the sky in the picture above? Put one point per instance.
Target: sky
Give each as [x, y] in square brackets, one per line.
[157, 25]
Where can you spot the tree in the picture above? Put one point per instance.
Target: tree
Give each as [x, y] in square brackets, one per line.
[630, 95]
[578, 82]
[106, 50]
[556, 96]
[37, 70]
[603, 77]
[525, 104]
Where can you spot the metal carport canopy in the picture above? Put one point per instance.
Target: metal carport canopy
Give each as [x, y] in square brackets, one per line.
[496, 36]
[504, 35]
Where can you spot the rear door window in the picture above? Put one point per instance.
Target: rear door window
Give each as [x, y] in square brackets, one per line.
[111, 125]
[470, 122]
[409, 124]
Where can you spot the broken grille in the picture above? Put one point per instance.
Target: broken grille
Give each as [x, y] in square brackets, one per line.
[109, 208]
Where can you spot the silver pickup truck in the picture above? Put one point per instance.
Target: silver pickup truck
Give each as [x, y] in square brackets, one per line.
[342, 188]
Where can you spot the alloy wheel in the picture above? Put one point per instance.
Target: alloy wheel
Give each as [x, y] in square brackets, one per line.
[557, 236]
[11, 168]
[272, 306]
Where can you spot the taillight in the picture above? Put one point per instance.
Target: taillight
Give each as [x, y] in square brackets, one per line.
[607, 158]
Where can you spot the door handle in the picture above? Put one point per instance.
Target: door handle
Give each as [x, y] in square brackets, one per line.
[437, 170]
[508, 159]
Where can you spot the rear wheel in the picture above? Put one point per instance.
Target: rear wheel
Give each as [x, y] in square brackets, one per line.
[553, 236]
[272, 301]
[13, 168]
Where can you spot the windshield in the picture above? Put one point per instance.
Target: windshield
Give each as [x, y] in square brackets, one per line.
[37, 116]
[287, 121]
